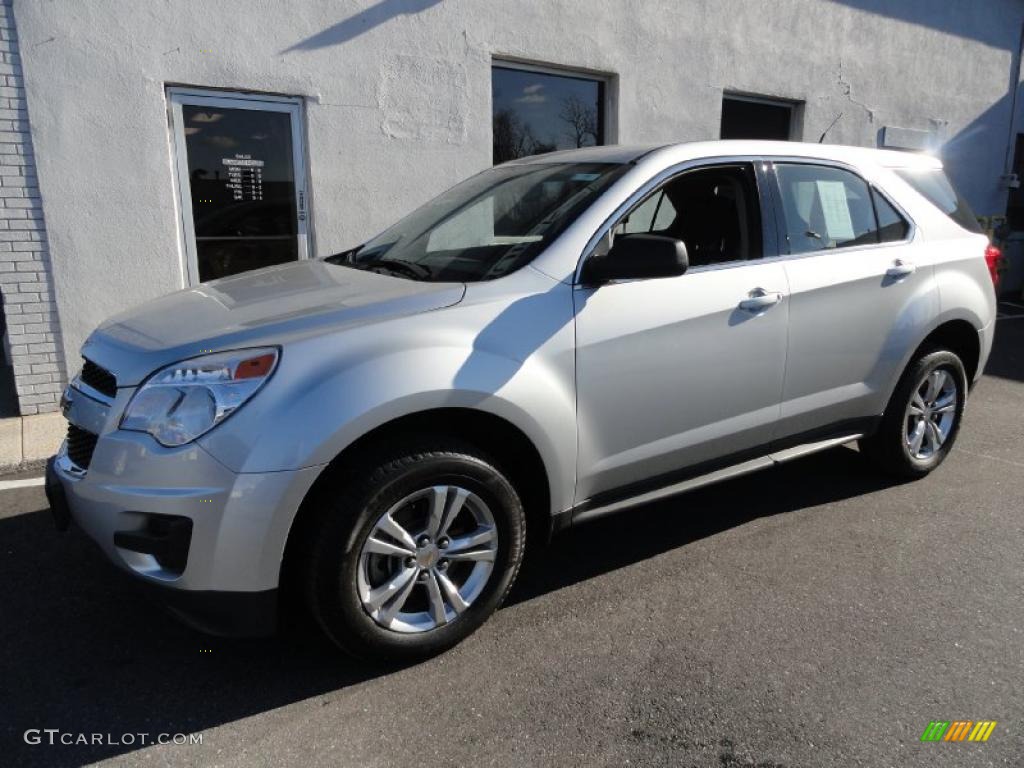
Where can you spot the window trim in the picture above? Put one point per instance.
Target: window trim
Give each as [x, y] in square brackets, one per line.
[609, 81]
[769, 234]
[772, 160]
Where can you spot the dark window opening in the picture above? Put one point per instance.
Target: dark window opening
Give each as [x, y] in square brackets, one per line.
[744, 118]
[537, 112]
[714, 211]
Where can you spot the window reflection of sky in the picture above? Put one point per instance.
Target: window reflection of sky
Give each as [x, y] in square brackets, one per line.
[213, 134]
[542, 103]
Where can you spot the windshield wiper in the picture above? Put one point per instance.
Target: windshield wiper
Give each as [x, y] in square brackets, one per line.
[417, 271]
[407, 268]
[343, 257]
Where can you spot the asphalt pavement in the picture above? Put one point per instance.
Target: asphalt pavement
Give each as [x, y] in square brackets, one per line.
[816, 614]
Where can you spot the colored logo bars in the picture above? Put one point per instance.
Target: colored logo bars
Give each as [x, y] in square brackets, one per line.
[958, 730]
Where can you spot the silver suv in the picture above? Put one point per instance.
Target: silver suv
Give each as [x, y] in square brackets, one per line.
[380, 434]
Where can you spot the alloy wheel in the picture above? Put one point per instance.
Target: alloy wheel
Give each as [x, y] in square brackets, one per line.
[931, 413]
[427, 559]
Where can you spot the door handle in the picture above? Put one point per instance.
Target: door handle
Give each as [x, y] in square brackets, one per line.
[759, 300]
[899, 269]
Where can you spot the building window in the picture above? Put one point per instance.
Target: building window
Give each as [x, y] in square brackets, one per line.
[753, 117]
[241, 181]
[536, 111]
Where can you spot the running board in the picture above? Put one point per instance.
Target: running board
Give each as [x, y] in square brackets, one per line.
[726, 473]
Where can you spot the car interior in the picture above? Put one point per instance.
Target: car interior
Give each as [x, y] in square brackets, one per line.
[714, 211]
[825, 208]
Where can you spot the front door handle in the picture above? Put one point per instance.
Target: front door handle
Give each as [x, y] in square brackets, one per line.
[900, 269]
[759, 300]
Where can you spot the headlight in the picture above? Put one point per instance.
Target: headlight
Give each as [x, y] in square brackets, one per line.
[179, 403]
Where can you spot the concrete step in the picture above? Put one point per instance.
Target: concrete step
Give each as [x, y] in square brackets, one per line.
[27, 439]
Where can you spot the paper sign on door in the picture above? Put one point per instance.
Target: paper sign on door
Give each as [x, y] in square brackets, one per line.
[836, 210]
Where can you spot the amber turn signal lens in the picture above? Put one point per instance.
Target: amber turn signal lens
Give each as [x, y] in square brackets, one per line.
[254, 367]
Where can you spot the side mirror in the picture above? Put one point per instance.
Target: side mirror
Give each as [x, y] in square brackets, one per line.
[637, 256]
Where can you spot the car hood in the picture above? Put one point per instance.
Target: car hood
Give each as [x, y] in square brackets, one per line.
[267, 306]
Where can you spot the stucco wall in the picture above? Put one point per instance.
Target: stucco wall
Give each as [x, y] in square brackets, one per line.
[398, 99]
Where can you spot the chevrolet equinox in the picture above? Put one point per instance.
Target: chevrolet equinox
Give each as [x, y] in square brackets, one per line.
[377, 436]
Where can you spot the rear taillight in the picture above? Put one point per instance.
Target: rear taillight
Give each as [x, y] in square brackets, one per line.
[994, 258]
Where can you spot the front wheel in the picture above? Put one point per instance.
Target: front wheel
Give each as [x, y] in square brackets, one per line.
[415, 551]
[923, 417]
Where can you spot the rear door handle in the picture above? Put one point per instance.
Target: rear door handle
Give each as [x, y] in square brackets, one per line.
[900, 269]
[759, 300]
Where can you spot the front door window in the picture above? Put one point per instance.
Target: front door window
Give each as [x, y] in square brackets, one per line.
[714, 211]
[241, 183]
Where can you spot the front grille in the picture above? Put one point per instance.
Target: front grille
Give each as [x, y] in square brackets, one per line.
[81, 444]
[98, 378]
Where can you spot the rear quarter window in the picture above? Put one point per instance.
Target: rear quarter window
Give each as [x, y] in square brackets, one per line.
[933, 184]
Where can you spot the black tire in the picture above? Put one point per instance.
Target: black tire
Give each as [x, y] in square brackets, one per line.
[888, 448]
[350, 505]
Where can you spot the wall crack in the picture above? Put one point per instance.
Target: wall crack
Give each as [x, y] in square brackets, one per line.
[847, 88]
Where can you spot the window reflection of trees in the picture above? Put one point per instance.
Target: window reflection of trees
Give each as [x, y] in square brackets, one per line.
[514, 138]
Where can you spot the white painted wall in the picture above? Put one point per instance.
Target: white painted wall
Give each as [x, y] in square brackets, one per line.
[398, 99]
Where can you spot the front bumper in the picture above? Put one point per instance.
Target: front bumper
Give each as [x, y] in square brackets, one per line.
[210, 541]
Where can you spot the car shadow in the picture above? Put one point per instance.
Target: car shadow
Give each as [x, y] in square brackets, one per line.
[83, 649]
[606, 544]
[1007, 358]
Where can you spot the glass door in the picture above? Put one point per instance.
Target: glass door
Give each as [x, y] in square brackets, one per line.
[241, 182]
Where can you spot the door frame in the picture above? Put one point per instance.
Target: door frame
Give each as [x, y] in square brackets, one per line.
[291, 105]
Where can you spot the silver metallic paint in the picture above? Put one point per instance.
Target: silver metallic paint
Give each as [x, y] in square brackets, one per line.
[669, 372]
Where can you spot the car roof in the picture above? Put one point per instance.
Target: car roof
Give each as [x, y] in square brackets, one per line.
[608, 153]
[681, 151]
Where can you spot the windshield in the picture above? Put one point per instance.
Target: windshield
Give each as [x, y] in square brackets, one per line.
[487, 226]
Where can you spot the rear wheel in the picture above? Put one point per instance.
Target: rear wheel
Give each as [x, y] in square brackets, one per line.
[923, 417]
[414, 552]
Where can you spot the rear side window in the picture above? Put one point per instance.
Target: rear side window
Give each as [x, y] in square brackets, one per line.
[892, 227]
[933, 184]
[825, 208]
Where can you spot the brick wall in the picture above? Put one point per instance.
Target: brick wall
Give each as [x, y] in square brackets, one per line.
[32, 342]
